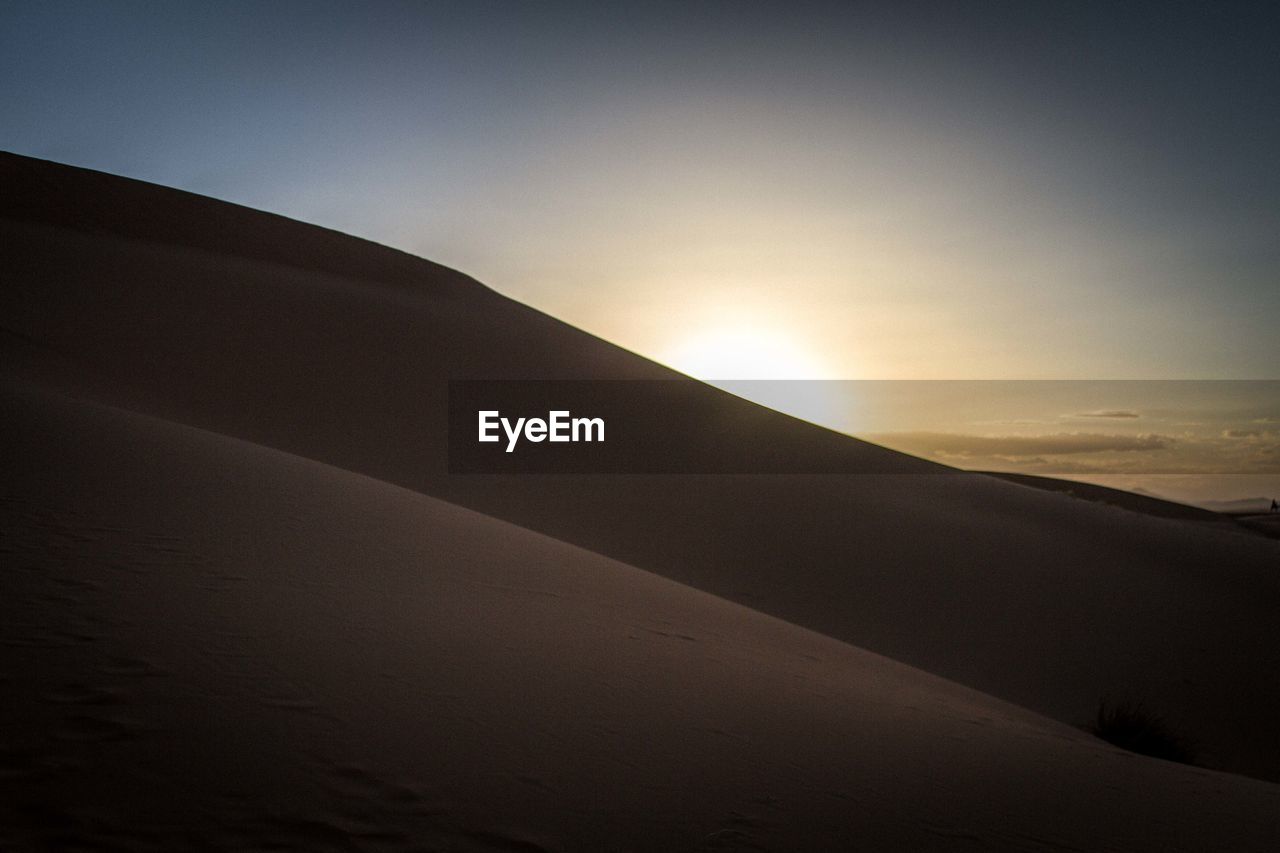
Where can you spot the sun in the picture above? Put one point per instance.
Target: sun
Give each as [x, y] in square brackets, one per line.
[743, 352]
[765, 366]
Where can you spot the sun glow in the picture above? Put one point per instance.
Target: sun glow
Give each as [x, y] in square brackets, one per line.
[743, 353]
[764, 366]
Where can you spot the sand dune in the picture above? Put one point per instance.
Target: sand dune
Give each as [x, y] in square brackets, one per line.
[339, 350]
[240, 557]
[1132, 501]
[210, 643]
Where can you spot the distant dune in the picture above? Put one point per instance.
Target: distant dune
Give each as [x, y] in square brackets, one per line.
[1249, 514]
[247, 605]
[1243, 506]
[1133, 501]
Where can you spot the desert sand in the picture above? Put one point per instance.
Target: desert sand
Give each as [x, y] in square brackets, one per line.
[245, 606]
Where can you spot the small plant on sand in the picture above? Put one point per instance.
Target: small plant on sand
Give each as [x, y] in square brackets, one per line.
[1132, 727]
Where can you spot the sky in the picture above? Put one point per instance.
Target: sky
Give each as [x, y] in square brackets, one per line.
[1001, 190]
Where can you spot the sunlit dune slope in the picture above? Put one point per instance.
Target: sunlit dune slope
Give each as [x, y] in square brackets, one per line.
[339, 350]
[211, 644]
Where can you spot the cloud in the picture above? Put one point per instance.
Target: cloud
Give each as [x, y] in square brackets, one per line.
[1253, 435]
[1231, 451]
[1021, 446]
[1108, 413]
[1019, 422]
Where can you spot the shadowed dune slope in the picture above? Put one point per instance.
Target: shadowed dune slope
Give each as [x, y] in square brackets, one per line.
[211, 644]
[339, 350]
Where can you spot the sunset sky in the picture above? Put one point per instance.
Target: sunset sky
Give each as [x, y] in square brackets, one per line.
[828, 191]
